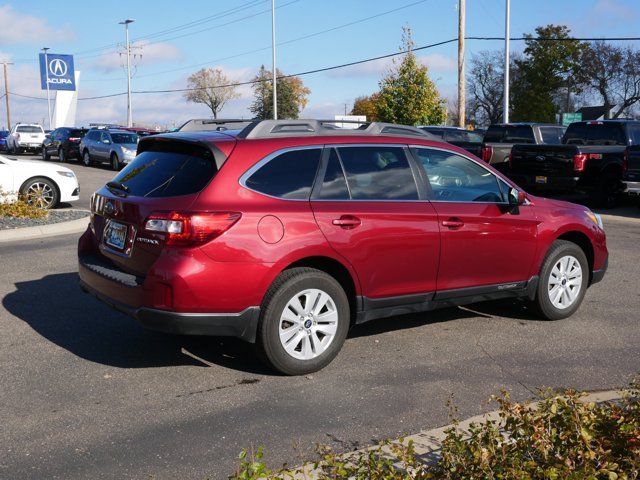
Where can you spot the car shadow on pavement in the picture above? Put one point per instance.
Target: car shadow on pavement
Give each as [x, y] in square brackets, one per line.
[57, 309]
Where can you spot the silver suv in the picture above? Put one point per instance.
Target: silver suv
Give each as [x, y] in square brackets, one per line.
[118, 147]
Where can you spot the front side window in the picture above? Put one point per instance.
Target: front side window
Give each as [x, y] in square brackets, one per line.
[289, 175]
[378, 173]
[127, 138]
[454, 178]
[334, 184]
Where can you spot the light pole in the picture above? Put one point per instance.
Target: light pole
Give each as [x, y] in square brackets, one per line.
[507, 33]
[461, 85]
[46, 70]
[6, 92]
[126, 30]
[273, 58]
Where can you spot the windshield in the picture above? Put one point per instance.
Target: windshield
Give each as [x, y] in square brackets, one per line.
[124, 138]
[29, 129]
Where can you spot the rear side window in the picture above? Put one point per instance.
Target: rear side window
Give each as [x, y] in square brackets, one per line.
[378, 173]
[334, 184]
[289, 175]
[183, 171]
[551, 135]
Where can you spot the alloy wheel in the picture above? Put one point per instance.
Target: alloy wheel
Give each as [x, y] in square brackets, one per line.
[565, 282]
[308, 324]
[40, 194]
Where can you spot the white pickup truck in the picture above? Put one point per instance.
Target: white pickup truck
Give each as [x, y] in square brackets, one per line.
[25, 137]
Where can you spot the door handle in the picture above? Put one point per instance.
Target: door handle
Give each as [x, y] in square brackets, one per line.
[453, 223]
[347, 221]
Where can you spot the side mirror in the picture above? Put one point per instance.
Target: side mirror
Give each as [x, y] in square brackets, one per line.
[516, 197]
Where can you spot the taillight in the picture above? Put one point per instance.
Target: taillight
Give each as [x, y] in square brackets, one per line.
[579, 161]
[183, 228]
[74, 139]
[487, 153]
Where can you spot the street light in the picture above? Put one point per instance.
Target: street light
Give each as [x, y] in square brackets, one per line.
[126, 30]
[46, 70]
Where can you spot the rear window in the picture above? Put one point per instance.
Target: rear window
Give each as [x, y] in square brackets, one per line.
[124, 137]
[605, 134]
[182, 171]
[551, 135]
[29, 129]
[289, 175]
[519, 134]
[494, 134]
[77, 133]
[434, 131]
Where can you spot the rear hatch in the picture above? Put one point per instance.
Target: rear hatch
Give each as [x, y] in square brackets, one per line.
[543, 159]
[167, 175]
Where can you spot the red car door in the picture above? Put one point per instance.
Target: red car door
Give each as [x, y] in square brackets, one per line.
[483, 242]
[369, 209]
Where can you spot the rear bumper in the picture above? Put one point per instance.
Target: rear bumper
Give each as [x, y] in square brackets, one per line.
[632, 188]
[242, 325]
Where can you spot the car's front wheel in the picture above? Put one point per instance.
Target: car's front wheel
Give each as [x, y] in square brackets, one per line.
[115, 163]
[304, 321]
[45, 155]
[564, 278]
[40, 192]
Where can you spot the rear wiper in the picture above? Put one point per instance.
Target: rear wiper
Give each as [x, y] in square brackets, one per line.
[117, 186]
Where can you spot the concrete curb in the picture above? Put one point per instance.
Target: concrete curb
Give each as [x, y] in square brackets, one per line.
[43, 231]
[427, 443]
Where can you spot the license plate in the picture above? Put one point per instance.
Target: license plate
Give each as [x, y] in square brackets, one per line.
[541, 179]
[115, 235]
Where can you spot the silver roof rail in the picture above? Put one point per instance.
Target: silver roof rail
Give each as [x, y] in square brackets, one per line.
[313, 128]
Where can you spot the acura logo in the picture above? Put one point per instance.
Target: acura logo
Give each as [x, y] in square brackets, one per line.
[109, 208]
[540, 158]
[58, 67]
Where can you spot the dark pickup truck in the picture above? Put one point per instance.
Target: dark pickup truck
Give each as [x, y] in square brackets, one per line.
[471, 141]
[631, 176]
[499, 138]
[591, 159]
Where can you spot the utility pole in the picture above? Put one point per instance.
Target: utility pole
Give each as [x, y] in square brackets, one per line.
[46, 70]
[128, 46]
[273, 58]
[6, 92]
[507, 33]
[461, 80]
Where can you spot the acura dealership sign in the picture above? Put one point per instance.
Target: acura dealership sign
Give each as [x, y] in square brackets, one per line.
[57, 70]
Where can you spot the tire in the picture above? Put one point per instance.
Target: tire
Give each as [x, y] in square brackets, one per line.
[115, 163]
[45, 155]
[61, 156]
[562, 254]
[86, 158]
[41, 192]
[607, 191]
[317, 334]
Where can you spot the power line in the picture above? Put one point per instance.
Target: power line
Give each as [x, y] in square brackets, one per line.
[343, 65]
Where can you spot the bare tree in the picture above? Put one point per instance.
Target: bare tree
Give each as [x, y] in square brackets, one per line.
[613, 73]
[212, 88]
[486, 88]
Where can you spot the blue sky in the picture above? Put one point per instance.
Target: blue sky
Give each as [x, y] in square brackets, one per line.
[171, 51]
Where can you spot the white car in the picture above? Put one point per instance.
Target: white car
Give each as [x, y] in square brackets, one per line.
[42, 184]
[25, 136]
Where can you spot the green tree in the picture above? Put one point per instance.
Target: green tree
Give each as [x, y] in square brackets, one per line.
[366, 105]
[407, 95]
[548, 74]
[292, 95]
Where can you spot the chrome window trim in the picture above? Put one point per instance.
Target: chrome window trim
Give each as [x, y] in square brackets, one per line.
[245, 176]
[508, 182]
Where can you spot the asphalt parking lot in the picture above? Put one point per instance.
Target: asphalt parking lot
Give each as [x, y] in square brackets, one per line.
[88, 393]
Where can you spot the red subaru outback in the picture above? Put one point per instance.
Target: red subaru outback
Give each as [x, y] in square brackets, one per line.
[286, 233]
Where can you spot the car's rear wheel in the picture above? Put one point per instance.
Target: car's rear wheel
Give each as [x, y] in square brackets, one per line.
[607, 191]
[86, 158]
[304, 321]
[61, 156]
[115, 163]
[564, 278]
[40, 192]
[45, 155]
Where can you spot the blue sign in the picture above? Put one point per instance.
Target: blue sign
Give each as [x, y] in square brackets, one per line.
[59, 73]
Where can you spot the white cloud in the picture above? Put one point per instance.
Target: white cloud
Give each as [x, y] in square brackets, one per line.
[436, 62]
[22, 28]
[143, 54]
